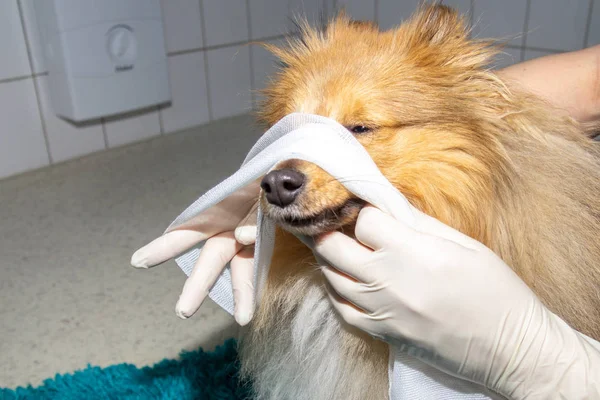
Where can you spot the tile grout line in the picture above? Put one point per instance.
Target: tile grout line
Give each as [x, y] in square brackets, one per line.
[525, 28]
[543, 49]
[250, 53]
[588, 24]
[34, 82]
[323, 15]
[22, 77]
[104, 134]
[205, 57]
[160, 120]
[16, 78]
[222, 46]
[472, 14]
[158, 107]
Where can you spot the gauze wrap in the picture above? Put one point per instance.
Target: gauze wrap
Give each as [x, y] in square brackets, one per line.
[329, 145]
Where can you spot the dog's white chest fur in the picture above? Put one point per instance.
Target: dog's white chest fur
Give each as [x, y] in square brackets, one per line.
[304, 356]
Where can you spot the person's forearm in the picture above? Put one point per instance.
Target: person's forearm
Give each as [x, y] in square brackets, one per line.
[570, 81]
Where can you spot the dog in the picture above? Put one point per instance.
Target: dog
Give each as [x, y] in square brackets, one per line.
[462, 145]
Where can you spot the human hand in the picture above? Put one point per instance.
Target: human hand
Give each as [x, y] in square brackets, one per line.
[229, 229]
[450, 301]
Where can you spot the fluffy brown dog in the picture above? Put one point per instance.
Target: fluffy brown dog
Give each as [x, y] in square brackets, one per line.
[461, 145]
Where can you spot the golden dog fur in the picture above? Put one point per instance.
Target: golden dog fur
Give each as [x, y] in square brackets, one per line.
[462, 145]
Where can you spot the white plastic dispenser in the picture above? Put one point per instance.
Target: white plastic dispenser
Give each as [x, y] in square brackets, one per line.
[104, 57]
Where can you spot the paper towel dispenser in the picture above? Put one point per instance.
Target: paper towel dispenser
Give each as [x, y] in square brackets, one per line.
[103, 57]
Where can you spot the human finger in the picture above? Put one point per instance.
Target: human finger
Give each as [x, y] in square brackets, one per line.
[345, 254]
[378, 230]
[245, 232]
[242, 280]
[215, 255]
[166, 247]
[350, 289]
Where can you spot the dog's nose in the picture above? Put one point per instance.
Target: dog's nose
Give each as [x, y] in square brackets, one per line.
[282, 186]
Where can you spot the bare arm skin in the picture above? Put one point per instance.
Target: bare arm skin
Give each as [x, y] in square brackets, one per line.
[570, 81]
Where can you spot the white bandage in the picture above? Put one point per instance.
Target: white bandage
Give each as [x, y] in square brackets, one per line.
[329, 145]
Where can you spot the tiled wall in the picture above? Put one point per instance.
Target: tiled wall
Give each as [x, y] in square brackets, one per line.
[532, 28]
[213, 72]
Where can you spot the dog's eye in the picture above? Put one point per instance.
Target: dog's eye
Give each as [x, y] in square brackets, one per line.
[358, 129]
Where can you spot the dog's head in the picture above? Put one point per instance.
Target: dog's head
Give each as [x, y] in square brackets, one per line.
[418, 99]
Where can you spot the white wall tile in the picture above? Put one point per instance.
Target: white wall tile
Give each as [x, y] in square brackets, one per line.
[531, 54]
[360, 10]
[594, 34]
[225, 21]
[229, 81]
[268, 18]
[557, 24]
[508, 56]
[503, 20]
[311, 10]
[392, 12]
[132, 127]
[22, 145]
[189, 106]
[12, 42]
[330, 7]
[183, 26]
[33, 36]
[264, 66]
[464, 6]
[67, 140]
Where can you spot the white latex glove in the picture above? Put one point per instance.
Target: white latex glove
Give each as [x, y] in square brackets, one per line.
[229, 229]
[450, 301]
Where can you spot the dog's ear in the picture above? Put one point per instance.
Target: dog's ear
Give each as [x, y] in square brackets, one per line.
[437, 34]
[436, 24]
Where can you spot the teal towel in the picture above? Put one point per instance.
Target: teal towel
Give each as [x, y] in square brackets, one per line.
[197, 375]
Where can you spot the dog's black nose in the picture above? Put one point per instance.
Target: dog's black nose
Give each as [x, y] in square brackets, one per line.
[282, 186]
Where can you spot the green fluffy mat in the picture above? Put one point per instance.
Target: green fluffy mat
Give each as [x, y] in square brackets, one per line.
[196, 375]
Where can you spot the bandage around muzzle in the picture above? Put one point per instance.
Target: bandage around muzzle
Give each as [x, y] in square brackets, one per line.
[329, 145]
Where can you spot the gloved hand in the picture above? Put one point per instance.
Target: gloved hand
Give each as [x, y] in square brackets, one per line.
[229, 229]
[450, 301]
